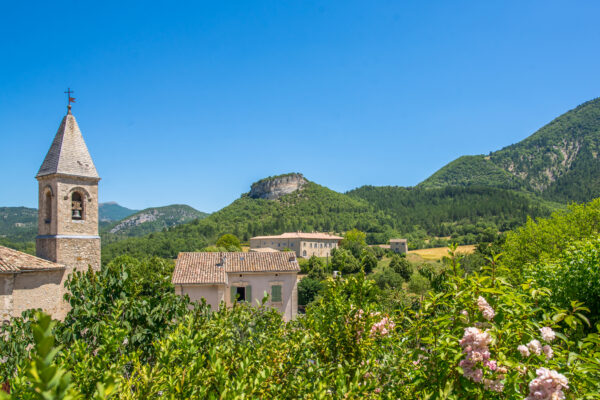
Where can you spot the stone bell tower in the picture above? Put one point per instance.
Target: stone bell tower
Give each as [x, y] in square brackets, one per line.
[68, 201]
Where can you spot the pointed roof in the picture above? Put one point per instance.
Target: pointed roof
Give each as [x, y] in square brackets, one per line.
[68, 153]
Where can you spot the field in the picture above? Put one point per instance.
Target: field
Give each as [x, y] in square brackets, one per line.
[437, 253]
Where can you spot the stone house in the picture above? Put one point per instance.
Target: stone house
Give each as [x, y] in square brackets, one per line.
[223, 278]
[67, 237]
[303, 244]
[399, 246]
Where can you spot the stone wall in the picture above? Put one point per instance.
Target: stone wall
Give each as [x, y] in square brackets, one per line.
[274, 188]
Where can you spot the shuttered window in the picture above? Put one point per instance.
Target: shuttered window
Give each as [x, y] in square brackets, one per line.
[276, 293]
[233, 290]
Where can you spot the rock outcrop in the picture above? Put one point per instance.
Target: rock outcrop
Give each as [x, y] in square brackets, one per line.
[274, 187]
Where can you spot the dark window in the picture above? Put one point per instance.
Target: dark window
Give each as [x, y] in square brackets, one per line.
[240, 293]
[48, 207]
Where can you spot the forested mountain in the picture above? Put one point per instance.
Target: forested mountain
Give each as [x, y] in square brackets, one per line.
[111, 211]
[151, 220]
[18, 227]
[466, 214]
[559, 162]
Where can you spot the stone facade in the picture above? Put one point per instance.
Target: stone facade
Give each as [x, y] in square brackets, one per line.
[303, 244]
[399, 246]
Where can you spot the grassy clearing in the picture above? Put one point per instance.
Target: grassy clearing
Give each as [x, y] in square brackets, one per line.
[437, 253]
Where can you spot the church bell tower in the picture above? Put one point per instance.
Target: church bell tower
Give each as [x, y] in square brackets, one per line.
[68, 201]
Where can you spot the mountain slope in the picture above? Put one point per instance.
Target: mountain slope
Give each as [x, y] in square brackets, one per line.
[560, 161]
[19, 224]
[464, 213]
[151, 220]
[111, 211]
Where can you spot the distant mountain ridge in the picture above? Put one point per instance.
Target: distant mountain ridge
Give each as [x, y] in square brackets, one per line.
[558, 162]
[112, 211]
[153, 219]
[467, 214]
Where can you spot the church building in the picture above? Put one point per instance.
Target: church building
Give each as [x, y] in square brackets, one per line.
[67, 237]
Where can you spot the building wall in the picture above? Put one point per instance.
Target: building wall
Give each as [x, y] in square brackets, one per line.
[303, 247]
[213, 294]
[399, 246]
[261, 283]
[30, 290]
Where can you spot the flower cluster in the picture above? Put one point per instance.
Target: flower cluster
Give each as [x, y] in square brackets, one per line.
[382, 327]
[475, 344]
[548, 385]
[487, 311]
[547, 334]
[535, 347]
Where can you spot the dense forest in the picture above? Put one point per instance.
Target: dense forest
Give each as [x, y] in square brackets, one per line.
[465, 215]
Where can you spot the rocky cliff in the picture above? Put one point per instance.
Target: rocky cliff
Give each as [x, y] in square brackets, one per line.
[274, 187]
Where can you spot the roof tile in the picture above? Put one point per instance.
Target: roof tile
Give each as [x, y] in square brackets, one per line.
[212, 267]
[13, 261]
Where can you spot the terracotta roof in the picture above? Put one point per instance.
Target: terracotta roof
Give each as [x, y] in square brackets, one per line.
[68, 153]
[264, 250]
[13, 261]
[212, 267]
[397, 240]
[300, 235]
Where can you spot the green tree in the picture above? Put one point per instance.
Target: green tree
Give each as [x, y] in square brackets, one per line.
[343, 260]
[368, 261]
[401, 266]
[308, 289]
[229, 241]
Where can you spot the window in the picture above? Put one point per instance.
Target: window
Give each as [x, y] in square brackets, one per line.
[77, 211]
[304, 253]
[292, 244]
[48, 207]
[276, 293]
[321, 245]
[311, 245]
[241, 293]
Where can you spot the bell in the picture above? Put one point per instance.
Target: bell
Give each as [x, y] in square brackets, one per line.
[76, 214]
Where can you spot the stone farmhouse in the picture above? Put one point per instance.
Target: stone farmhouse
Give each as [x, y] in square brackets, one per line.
[399, 246]
[303, 244]
[67, 229]
[223, 278]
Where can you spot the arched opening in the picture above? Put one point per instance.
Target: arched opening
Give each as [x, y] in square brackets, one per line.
[48, 207]
[77, 211]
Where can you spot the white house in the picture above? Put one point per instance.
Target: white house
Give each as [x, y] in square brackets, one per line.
[227, 277]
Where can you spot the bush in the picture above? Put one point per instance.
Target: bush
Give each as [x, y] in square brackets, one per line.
[572, 276]
[401, 266]
[308, 289]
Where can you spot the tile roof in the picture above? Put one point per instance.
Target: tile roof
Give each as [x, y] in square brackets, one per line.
[68, 153]
[264, 250]
[397, 240]
[13, 261]
[301, 235]
[212, 267]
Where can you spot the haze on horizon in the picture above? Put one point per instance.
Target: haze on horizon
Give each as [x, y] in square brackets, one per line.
[192, 102]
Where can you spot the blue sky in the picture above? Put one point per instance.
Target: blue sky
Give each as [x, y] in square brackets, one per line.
[191, 102]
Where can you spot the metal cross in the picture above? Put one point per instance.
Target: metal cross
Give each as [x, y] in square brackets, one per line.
[69, 92]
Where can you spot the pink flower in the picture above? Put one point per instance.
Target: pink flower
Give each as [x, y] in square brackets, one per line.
[548, 385]
[547, 334]
[491, 364]
[487, 311]
[548, 351]
[475, 344]
[523, 350]
[535, 347]
[495, 385]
